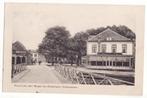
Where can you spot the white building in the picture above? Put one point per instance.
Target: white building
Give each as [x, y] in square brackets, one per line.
[109, 48]
[37, 57]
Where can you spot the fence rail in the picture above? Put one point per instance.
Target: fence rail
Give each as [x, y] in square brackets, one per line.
[17, 69]
[80, 77]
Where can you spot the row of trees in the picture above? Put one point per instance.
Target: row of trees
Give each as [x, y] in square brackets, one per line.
[58, 44]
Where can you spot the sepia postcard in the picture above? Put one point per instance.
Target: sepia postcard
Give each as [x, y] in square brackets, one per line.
[73, 48]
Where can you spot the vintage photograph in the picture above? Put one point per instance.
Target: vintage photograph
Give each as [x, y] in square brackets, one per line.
[73, 44]
[101, 56]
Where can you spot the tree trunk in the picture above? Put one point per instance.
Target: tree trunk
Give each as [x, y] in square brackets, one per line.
[78, 60]
[71, 62]
[52, 61]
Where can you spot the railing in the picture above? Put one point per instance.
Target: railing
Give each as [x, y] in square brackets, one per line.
[17, 69]
[79, 77]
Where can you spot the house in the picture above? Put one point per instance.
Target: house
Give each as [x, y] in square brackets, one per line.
[34, 55]
[37, 57]
[109, 49]
[19, 58]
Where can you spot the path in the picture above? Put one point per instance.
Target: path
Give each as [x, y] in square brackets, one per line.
[42, 74]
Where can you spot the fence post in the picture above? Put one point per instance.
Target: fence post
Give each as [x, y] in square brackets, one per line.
[93, 79]
[83, 78]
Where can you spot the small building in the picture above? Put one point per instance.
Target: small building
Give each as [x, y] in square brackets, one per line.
[37, 57]
[19, 57]
[34, 55]
[109, 49]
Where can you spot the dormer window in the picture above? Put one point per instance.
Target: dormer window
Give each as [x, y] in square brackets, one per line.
[108, 38]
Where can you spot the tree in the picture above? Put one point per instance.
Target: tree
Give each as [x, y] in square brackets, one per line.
[80, 39]
[124, 31]
[71, 53]
[54, 43]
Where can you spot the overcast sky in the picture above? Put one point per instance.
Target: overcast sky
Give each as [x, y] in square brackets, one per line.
[30, 21]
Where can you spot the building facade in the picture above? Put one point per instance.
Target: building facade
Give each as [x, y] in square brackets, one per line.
[109, 49]
[37, 57]
[19, 58]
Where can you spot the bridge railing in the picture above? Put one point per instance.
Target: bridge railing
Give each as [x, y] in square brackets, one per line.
[80, 77]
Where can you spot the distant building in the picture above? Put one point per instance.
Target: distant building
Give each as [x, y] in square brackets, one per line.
[34, 56]
[37, 57]
[109, 49]
[19, 57]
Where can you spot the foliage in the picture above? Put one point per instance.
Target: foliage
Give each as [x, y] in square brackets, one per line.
[54, 43]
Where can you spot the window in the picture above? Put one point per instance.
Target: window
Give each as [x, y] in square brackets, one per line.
[125, 63]
[94, 48]
[35, 55]
[124, 48]
[103, 48]
[18, 60]
[100, 63]
[84, 61]
[110, 63]
[108, 38]
[93, 62]
[114, 47]
[23, 60]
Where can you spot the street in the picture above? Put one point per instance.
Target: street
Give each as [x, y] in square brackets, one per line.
[40, 74]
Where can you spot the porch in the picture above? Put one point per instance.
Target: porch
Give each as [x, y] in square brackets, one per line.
[113, 62]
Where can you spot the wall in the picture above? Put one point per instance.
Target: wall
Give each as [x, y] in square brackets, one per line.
[109, 49]
[119, 47]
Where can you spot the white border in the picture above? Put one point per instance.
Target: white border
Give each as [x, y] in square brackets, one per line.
[119, 2]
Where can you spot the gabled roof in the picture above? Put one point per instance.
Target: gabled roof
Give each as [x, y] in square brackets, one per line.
[108, 35]
[17, 46]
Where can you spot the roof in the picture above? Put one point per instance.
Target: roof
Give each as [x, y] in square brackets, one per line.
[33, 51]
[17, 46]
[108, 35]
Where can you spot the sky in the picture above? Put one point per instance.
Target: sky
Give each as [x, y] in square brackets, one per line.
[30, 21]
